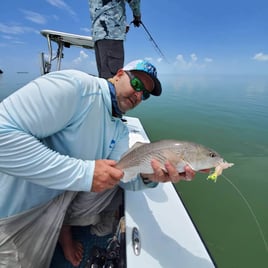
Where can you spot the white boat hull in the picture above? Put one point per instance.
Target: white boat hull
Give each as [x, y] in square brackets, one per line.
[168, 237]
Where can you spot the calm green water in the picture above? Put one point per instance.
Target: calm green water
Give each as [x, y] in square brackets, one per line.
[230, 115]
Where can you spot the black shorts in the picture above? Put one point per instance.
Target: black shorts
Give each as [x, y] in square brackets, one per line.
[109, 57]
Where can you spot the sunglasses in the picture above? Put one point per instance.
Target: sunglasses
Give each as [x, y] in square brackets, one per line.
[138, 86]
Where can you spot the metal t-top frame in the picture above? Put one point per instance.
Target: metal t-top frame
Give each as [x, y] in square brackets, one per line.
[63, 40]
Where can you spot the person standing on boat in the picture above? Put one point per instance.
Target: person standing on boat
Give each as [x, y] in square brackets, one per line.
[109, 30]
[60, 138]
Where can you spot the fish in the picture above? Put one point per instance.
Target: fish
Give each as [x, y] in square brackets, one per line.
[180, 153]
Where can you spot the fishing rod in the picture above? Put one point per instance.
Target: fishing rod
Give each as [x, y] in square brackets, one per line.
[153, 41]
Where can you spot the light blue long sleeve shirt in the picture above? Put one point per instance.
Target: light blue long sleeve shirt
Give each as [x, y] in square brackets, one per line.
[51, 132]
[108, 18]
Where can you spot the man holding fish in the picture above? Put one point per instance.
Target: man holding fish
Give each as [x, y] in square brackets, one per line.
[61, 137]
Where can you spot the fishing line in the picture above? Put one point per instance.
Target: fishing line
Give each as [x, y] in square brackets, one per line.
[251, 211]
[153, 41]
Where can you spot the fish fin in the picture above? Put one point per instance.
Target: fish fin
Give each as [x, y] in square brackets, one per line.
[138, 144]
[163, 168]
[173, 158]
[128, 176]
[133, 147]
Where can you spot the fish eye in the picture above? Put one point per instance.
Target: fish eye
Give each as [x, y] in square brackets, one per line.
[212, 154]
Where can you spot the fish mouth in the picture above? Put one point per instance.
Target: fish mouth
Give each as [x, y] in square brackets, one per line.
[218, 163]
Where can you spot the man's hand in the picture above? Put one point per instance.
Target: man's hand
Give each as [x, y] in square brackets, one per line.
[106, 176]
[136, 21]
[171, 173]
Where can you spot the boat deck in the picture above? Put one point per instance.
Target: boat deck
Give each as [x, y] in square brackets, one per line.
[83, 235]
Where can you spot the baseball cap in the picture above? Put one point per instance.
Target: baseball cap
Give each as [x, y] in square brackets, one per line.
[148, 68]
